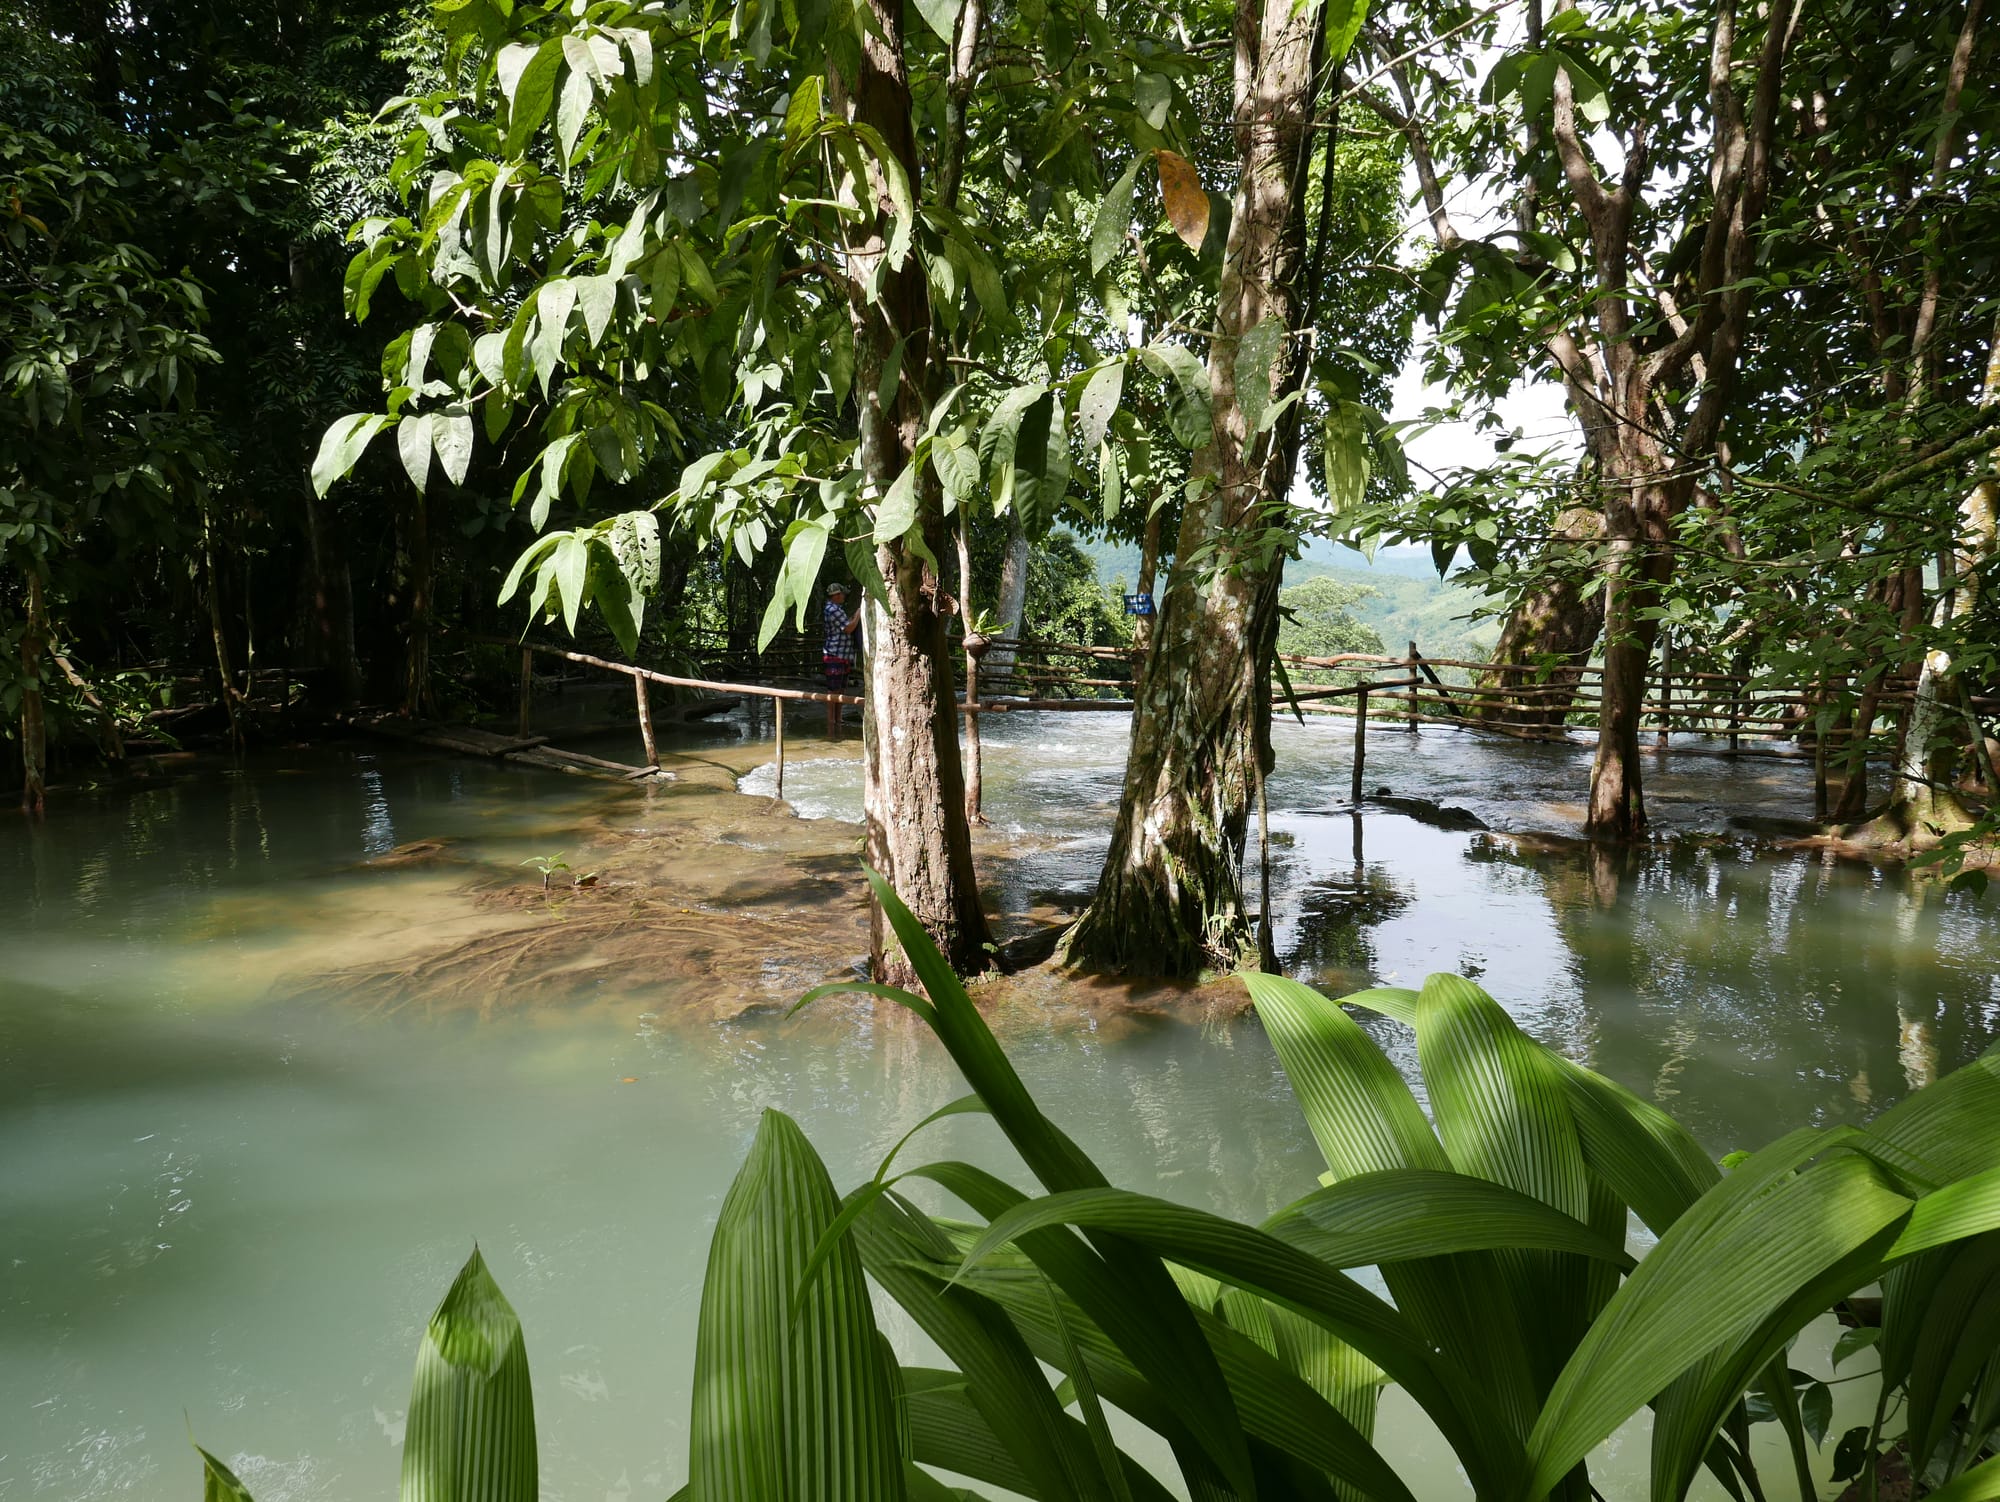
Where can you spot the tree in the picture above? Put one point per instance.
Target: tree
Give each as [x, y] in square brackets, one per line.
[1646, 326]
[102, 344]
[1169, 899]
[616, 222]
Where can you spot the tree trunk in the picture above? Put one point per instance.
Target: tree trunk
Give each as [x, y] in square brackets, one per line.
[1170, 900]
[1921, 809]
[1013, 603]
[974, 647]
[1558, 622]
[1903, 595]
[1149, 567]
[417, 645]
[218, 635]
[34, 728]
[329, 608]
[1638, 521]
[913, 789]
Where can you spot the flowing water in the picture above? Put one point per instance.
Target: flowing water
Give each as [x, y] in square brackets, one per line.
[279, 1045]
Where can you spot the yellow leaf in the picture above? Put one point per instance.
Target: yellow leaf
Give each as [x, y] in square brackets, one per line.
[1187, 204]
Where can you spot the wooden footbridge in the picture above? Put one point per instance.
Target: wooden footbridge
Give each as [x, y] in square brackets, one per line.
[1713, 713]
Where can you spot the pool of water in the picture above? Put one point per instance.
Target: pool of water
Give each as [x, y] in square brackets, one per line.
[233, 1180]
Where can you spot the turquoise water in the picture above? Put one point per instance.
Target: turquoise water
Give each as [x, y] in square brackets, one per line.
[233, 1182]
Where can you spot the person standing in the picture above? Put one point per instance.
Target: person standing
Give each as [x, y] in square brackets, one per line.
[838, 653]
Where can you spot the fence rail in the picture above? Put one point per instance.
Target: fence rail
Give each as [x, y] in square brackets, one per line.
[1525, 702]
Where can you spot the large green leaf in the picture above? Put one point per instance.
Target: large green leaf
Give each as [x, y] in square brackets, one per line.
[1643, 1154]
[1980, 1484]
[1961, 1332]
[1250, 1259]
[1397, 1215]
[342, 447]
[1360, 1111]
[471, 1430]
[791, 1405]
[1280, 1410]
[1949, 1130]
[1690, 1411]
[1041, 464]
[907, 1256]
[1113, 219]
[1504, 1115]
[1724, 1266]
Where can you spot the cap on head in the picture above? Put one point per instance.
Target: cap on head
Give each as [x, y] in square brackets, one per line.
[836, 588]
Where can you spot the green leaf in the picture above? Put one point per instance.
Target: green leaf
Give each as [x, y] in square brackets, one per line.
[451, 433]
[1400, 1214]
[1500, 1106]
[1727, 1262]
[942, 17]
[1114, 219]
[785, 1406]
[552, 310]
[1255, 351]
[572, 576]
[470, 1436]
[1853, 1341]
[530, 92]
[1041, 464]
[530, 557]
[218, 1482]
[1141, 1301]
[802, 114]
[1344, 19]
[1099, 401]
[1816, 1410]
[597, 298]
[1980, 1484]
[1249, 1259]
[860, 555]
[956, 464]
[1344, 446]
[999, 438]
[342, 446]
[413, 444]
[1190, 415]
[805, 550]
[896, 513]
[573, 112]
[1358, 1107]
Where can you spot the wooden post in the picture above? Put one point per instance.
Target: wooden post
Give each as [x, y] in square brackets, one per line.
[1410, 693]
[975, 756]
[780, 706]
[1820, 804]
[1666, 687]
[527, 691]
[1360, 739]
[644, 699]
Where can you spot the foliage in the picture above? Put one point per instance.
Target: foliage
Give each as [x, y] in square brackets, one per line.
[1519, 1322]
[1066, 602]
[1317, 621]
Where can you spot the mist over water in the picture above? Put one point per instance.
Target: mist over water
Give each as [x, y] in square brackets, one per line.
[230, 1187]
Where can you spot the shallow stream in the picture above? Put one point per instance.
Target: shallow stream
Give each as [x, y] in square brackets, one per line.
[279, 1044]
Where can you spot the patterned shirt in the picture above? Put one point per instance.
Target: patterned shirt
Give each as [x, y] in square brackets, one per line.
[839, 640]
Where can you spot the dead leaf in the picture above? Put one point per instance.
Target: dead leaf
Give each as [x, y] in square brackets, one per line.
[1187, 204]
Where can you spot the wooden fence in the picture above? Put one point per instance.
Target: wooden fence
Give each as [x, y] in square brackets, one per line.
[1522, 702]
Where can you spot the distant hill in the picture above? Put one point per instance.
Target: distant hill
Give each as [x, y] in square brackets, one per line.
[1410, 602]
